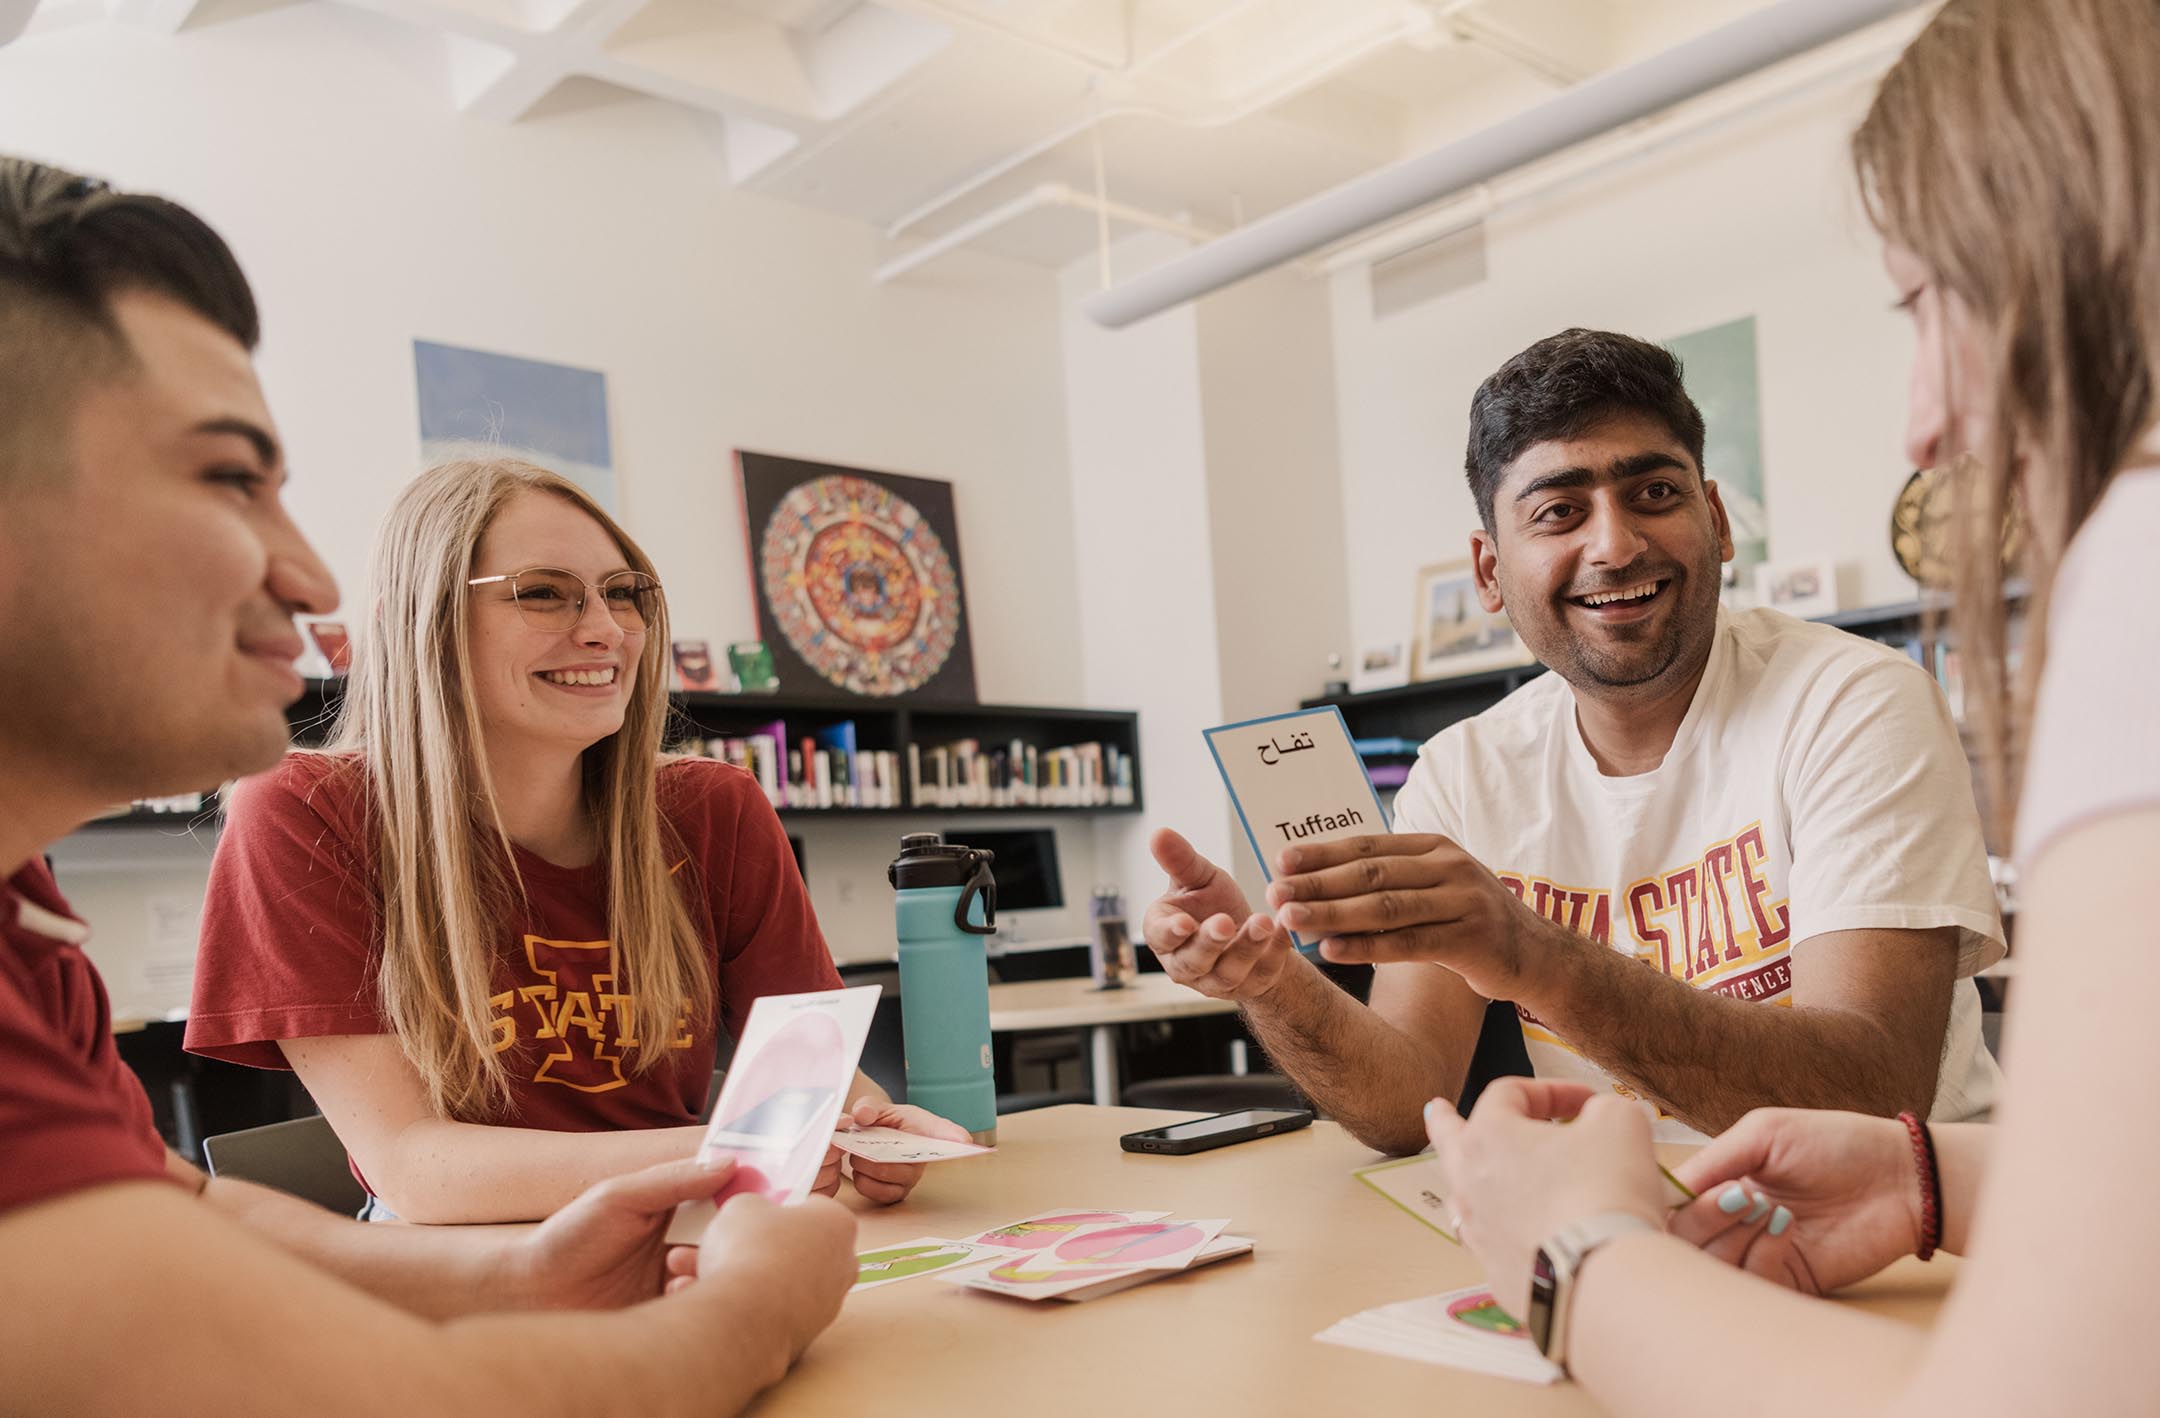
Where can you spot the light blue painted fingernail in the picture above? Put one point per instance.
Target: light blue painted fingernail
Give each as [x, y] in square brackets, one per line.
[1779, 1220]
[1732, 1199]
[1762, 1204]
[1431, 1108]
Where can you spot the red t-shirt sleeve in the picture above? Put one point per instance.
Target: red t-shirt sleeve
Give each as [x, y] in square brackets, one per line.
[289, 917]
[62, 1128]
[769, 941]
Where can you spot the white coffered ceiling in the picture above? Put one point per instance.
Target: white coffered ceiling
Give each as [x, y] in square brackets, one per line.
[924, 117]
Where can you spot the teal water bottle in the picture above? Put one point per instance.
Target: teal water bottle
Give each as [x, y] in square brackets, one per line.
[945, 902]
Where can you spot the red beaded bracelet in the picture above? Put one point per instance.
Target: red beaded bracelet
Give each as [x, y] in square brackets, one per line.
[1923, 1147]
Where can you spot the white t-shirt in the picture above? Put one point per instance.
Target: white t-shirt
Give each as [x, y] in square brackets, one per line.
[1817, 784]
[2095, 746]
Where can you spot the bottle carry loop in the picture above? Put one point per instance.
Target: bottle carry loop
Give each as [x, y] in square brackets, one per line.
[979, 883]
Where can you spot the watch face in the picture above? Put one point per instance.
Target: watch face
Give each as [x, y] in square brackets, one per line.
[1543, 1288]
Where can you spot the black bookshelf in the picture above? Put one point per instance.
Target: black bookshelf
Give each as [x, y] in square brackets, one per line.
[878, 725]
[889, 726]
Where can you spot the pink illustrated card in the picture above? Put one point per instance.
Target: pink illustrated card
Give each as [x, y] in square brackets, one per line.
[784, 1091]
[1048, 1228]
[1092, 1255]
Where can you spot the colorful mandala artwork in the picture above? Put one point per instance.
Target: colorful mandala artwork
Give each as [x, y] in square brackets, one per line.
[860, 585]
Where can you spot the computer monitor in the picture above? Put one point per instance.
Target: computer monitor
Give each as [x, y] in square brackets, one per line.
[1026, 866]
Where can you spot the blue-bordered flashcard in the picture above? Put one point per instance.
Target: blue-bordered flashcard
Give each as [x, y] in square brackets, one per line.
[1295, 779]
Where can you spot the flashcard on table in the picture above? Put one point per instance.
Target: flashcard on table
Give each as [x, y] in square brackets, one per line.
[1095, 1254]
[1157, 1245]
[1295, 780]
[1465, 1328]
[1047, 1228]
[889, 1265]
[1415, 1184]
[785, 1087]
[883, 1144]
[1221, 1248]
[1419, 1188]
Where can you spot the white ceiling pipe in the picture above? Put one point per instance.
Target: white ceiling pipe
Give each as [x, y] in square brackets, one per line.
[1830, 65]
[1048, 194]
[1732, 51]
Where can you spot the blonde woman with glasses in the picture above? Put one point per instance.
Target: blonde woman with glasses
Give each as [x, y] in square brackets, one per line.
[2012, 164]
[495, 934]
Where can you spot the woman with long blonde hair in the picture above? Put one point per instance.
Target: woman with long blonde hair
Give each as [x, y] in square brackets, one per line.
[494, 932]
[2011, 162]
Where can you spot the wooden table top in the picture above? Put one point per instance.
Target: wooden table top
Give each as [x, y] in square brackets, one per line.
[1232, 1338]
[1074, 1003]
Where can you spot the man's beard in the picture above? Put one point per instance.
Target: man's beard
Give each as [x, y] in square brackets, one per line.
[1628, 663]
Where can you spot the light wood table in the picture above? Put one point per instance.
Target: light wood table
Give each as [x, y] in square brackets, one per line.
[1232, 1338]
[1072, 1004]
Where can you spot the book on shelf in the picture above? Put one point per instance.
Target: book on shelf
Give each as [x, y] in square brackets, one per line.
[966, 773]
[1388, 775]
[827, 769]
[1391, 746]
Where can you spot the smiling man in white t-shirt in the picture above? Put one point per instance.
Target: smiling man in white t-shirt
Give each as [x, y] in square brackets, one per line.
[1775, 817]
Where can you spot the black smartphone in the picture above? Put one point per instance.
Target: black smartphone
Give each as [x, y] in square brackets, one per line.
[1201, 1134]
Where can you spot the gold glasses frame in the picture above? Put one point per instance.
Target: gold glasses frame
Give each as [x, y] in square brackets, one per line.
[548, 619]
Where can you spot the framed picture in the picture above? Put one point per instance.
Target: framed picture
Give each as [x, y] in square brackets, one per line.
[1380, 667]
[329, 649]
[1798, 588]
[694, 668]
[1455, 634]
[474, 404]
[856, 576]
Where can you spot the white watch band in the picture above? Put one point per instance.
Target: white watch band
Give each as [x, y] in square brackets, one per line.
[1552, 1278]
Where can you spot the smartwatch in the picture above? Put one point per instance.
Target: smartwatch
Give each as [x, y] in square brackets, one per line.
[1552, 1276]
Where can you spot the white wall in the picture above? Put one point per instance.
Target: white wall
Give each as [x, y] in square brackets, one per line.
[1752, 218]
[1208, 502]
[1275, 501]
[1145, 586]
[321, 143]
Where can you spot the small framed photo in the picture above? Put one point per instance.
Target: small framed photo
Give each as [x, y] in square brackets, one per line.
[329, 652]
[1455, 634]
[1380, 667]
[1798, 588]
[694, 667]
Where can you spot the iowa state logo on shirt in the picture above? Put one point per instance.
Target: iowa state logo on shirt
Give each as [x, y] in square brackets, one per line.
[573, 1006]
[1709, 923]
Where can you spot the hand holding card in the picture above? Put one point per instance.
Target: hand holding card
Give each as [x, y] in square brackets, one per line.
[794, 1063]
[888, 1144]
[1295, 780]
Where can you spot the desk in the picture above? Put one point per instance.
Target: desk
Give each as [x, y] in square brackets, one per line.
[1233, 1338]
[1071, 1004]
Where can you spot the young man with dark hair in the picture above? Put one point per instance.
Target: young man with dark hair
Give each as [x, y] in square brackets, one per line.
[148, 579]
[1775, 817]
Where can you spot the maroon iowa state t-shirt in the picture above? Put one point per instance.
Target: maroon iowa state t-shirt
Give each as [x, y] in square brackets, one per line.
[72, 1115]
[290, 943]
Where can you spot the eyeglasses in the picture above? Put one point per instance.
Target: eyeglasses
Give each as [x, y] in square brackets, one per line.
[553, 599]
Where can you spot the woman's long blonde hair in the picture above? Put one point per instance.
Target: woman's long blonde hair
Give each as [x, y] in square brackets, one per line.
[448, 881]
[2015, 149]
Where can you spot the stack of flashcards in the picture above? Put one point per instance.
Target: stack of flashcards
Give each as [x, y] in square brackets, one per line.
[1464, 1329]
[1078, 1255]
[1072, 1254]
